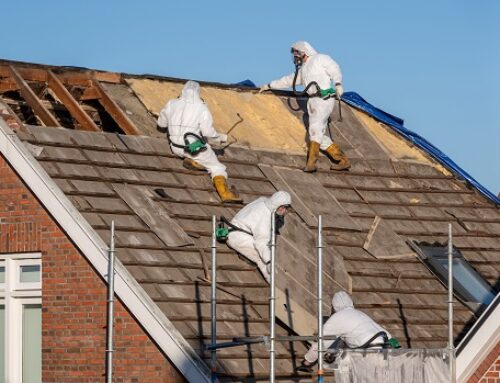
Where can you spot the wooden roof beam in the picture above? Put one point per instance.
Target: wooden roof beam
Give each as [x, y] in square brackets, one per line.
[66, 75]
[70, 103]
[33, 101]
[28, 74]
[115, 111]
[8, 84]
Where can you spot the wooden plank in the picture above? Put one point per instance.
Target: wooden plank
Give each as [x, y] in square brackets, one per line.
[296, 276]
[75, 79]
[34, 102]
[356, 135]
[310, 198]
[153, 215]
[115, 112]
[90, 93]
[8, 84]
[29, 74]
[70, 103]
[383, 243]
[298, 205]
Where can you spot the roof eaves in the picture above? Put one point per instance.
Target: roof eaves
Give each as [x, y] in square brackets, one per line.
[95, 250]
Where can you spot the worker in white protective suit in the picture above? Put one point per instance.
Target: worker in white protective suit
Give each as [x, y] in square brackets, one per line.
[188, 121]
[352, 326]
[254, 220]
[323, 70]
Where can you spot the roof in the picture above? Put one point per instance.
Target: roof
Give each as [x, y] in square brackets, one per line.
[164, 243]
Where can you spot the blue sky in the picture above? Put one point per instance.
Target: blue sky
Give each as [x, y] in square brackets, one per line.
[434, 63]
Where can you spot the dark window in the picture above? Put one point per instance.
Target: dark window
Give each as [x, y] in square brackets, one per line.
[468, 285]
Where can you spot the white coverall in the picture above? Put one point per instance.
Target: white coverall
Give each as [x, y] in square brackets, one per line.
[322, 69]
[256, 219]
[188, 113]
[353, 326]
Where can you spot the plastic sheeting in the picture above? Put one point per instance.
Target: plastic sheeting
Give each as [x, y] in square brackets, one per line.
[246, 83]
[355, 100]
[392, 366]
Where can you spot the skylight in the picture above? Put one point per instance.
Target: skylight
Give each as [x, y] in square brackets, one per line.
[468, 285]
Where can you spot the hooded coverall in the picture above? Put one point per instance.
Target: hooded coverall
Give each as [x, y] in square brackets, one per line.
[353, 326]
[255, 218]
[322, 69]
[189, 114]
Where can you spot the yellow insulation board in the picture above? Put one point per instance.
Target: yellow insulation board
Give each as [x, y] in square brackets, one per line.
[267, 123]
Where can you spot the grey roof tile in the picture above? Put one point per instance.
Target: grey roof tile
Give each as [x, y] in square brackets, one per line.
[413, 199]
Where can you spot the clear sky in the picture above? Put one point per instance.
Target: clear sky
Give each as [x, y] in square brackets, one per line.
[436, 64]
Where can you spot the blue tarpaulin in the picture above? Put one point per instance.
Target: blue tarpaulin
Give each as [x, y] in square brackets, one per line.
[358, 102]
[246, 83]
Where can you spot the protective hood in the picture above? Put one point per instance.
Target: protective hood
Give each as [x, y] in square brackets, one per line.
[341, 301]
[278, 199]
[305, 47]
[191, 92]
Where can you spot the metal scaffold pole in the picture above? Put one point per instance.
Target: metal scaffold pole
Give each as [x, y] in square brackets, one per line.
[320, 301]
[451, 347]
[272, 301]
[213, 301]
[110, 308]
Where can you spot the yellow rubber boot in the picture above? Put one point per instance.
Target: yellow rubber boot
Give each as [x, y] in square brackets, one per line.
[338, 156]
[191, 164]
[225, 194]
[312, 157]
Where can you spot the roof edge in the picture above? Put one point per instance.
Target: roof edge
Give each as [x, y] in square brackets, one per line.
[396, 124]
[351, 98]
[479, 341]
[155, 322]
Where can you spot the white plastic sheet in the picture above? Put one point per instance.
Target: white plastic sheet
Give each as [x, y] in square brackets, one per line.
[392, 366]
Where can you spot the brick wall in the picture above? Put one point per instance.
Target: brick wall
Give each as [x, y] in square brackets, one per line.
[489, 370]
[74, 300]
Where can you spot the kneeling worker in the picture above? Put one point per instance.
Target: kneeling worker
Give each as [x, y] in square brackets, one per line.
[352, 326]
[189, 122]
[254, 220]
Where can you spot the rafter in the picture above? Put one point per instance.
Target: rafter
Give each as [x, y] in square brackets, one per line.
[70, 103]
[115, 111]
[33, 101]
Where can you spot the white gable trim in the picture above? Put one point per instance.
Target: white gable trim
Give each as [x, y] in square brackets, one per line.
[486, 335]
[94, 249]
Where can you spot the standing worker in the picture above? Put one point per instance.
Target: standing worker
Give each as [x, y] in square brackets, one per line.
[254, 224]
[353, 327]
[188, 122]
[316, 72]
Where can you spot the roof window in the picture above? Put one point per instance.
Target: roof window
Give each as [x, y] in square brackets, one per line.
[468, 285]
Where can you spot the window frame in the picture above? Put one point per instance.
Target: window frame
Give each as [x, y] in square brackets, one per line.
[432, 262]
[13, 295]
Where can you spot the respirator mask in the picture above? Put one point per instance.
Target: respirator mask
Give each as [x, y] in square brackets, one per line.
[298, 57]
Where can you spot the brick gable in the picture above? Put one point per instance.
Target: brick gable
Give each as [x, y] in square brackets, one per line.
[489, 370]
[74, 300]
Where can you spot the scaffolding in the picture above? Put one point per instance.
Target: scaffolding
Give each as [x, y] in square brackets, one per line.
[349, 365]
[110, 305]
